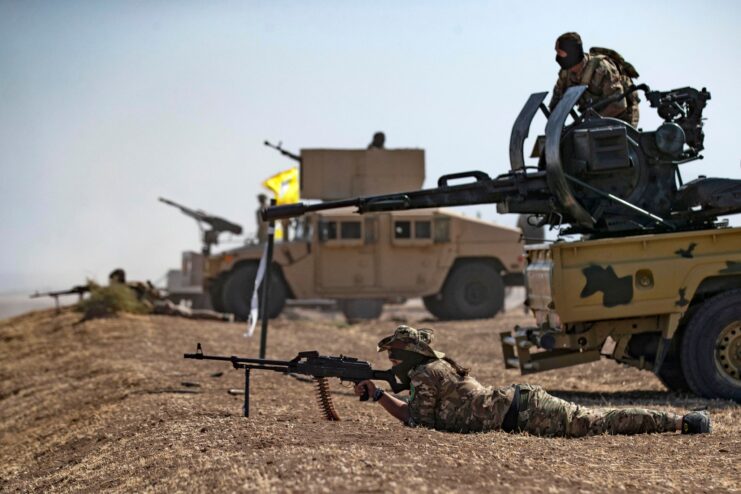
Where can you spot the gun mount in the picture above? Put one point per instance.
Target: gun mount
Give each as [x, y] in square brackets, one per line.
[217, 225]
[599, 175]
[660, 277]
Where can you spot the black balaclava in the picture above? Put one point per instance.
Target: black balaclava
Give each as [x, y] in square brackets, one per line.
[574, 53]
[409, 360]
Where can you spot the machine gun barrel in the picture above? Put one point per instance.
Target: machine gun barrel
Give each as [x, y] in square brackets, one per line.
[282, 151]
[75, 290]
[312, 364]
[484, 190]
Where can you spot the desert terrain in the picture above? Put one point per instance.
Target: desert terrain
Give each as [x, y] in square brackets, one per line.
[111, 405]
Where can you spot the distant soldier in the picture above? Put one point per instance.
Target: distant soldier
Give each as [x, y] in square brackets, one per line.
[378, 141]
[152, 298]
[262, 226]
[531, 234]
[603, 71]
[444, 397]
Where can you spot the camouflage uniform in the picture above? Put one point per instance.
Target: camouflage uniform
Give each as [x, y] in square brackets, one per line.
[603, 79]
[441, 398]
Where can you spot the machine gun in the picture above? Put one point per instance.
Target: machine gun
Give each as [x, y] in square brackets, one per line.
[312, 364]
[217, 225]
[599, 175]
[282, 151]
[79, 290]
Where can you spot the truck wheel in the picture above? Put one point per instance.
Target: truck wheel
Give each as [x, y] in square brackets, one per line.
[711, 348]
[237, 292]
[215, 292]
[434, 304]
[360, 309]
[473, 291]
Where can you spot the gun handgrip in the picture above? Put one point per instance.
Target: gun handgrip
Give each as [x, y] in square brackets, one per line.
[365, 396]
[283, 212]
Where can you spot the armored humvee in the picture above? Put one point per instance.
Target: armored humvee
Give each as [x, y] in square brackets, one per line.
[460, 266]
[654, 279]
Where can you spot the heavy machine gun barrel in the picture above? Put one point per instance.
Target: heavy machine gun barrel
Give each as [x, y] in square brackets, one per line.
[282, 151]
[483, 190]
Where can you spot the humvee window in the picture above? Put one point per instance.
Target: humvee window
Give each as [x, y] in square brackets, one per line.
[403, 229]
[350, 230]
[328, 230]
[422, 229]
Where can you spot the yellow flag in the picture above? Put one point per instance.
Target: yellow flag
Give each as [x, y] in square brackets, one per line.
[284, 185]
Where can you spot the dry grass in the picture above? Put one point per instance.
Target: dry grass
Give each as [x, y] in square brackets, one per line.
[101, 406]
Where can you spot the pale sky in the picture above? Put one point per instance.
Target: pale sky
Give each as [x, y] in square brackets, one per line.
[105, 106]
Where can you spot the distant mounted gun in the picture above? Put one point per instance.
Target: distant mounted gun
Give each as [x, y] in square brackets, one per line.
[282, 151]
[79, 290]
[217, 224]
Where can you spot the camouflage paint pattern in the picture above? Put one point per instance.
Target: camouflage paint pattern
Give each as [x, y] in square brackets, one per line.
[441, 399]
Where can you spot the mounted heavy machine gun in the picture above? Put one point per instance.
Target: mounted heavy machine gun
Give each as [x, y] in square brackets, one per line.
[216, 224]
[599, 175]
[282, 151]
[655, 281]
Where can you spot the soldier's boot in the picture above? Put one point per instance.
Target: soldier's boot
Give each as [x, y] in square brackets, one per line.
[696, 423]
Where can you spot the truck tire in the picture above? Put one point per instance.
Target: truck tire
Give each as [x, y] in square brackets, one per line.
[434, 304]
[237, 292]
[711, 348]
[360, 309]
[474, 290]
[215, 292]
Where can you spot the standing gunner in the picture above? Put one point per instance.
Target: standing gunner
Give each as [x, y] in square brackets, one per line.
[603, 71]
[443, 396]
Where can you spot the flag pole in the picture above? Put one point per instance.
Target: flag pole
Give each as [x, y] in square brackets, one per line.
[266, 286]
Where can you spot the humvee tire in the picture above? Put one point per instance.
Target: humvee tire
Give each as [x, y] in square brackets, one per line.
[237, 291]
[473, 290]
[215, 292]
[711, 348]
[360, 309]
[434, 304]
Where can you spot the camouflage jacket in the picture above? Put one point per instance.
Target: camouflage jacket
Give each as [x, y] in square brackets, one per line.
[440, 399]
[602, 78]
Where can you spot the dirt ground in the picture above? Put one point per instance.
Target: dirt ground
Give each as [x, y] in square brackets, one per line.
[112, 405]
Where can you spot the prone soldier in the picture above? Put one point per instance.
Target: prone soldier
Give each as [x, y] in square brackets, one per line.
[443, 396]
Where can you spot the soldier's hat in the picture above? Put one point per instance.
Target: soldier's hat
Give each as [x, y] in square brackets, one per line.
[413, 340]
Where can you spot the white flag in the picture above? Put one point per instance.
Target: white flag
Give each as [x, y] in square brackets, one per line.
[255, 303]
